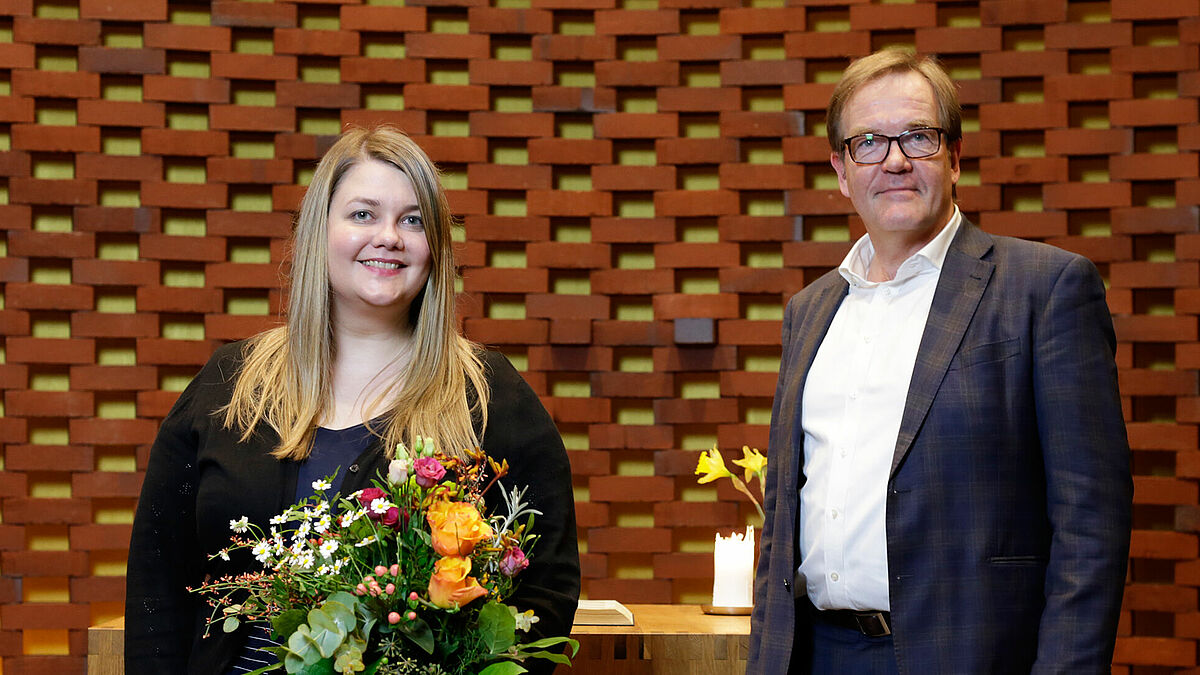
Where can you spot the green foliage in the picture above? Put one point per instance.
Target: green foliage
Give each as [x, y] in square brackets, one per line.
[497, 628]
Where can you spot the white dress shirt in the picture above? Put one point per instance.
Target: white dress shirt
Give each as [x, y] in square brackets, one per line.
[850, 412]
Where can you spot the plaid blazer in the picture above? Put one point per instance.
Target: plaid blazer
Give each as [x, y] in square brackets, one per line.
[1008, 506]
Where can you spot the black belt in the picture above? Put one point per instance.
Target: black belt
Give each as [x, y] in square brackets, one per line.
[869, 623]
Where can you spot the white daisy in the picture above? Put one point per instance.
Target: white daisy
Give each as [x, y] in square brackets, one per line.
[328, 548]
[262, 551]
[224, 555]
[321, 485]
[322, 525]
[366, 541]
[380, 505]
[240, 525]
[279, 519]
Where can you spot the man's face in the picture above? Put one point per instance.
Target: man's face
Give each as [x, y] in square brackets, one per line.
[899, 194]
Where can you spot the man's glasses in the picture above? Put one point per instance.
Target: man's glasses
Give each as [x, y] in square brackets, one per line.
[914, 143]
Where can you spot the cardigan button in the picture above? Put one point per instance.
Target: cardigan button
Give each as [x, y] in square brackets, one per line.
[353, 468]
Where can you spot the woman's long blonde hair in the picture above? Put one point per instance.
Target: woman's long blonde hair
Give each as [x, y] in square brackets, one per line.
[285, 377]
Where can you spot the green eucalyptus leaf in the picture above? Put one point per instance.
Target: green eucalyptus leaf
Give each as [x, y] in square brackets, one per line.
[326, 634]
[504, 668]
[287, 622]
[341, 614]
[230, 624]
[303, 646]
[497, 627]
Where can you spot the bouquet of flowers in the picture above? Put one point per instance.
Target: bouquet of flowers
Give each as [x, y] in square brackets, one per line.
[404, 577]
[711, 466]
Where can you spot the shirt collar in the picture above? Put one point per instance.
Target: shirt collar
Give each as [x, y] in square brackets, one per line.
[856, 263]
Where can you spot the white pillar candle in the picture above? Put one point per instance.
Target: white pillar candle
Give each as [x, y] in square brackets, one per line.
[733, 570]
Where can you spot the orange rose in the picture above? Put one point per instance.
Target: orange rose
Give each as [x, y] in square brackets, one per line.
[456, 528]
[450, 586]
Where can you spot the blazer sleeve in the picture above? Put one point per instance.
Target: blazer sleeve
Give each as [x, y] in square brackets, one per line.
[1089, 489]
[164, 558]
[773, 534]
[521, 431]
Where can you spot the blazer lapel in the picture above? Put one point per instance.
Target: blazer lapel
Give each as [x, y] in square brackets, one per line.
[814, 325]
[960, 286]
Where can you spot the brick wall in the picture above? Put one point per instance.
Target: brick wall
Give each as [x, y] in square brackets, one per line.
[643, 183]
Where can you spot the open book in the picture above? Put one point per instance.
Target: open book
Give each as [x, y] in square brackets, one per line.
[602, 613]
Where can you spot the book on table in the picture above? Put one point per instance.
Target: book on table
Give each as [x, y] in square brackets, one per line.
[602, 613]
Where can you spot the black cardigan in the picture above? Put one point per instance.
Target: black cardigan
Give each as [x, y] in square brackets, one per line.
[200, 477]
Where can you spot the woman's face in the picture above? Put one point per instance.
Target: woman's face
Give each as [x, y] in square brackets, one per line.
[378, 253]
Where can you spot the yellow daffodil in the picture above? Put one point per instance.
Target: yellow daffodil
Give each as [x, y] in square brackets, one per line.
[752, 461]
[711, 466]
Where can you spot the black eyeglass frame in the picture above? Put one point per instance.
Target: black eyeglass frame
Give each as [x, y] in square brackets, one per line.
[896, 140]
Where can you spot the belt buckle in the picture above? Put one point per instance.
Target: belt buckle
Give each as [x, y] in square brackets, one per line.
[872, 624]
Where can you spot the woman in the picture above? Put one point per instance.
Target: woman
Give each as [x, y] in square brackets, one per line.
[369, 357]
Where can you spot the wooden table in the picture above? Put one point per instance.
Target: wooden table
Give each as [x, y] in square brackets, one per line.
[664, 640]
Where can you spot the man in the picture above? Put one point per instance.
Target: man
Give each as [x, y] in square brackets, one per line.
[949, 486]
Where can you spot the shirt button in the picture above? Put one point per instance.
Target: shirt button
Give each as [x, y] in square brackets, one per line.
[833, 576]
[353, 468]
[833, 514]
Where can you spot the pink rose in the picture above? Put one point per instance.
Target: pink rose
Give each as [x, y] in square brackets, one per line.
[369, 495]
[428, 471]
[513, 562]
[395, 518]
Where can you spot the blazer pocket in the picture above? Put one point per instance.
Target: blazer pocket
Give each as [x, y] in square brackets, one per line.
[986, 353]
[1017, 560]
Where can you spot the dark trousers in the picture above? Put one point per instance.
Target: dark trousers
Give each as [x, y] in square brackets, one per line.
[824, 649]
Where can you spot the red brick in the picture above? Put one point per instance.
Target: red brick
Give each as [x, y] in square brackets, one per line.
[1088, 87]
[185, 143]
[695, 411]
[507, 332]
[759, 19]
[1088, 35]
[183, 195]
[760, 176]
[1165, 9]
[762, 73]
[391, 71]
[687, 306]
[125, 10]
[1023, 64]
[510, 21]
[828, 45]
[446, 97]
[568, 203]
[813, 96]
[637, 22]
[121, 114]
[51, 244]
[254, 66]
[214, 39]
[112, 219]
[574, 48]
[99, 538]
[113, 378]
[1023, 115]
[1086, 195]
[237, 13]
[759, 280]
[570, 151]
[637, 74]
[1154, 59]
[104, 325]
[16, 109]
[30, 30]
[14, 55]
[252, 118]
[696, 203]
[1155, 650]
[555, 306]
[122, 60]
[947, 39]
[1006, 12]
[510, 73]
[66, 192]
[45, 511]
[383, 19]
[699, 47]
[631, 489]
[632, 230]
[695, 255]
[1144, 166]
[231, 170]
[44, 563]
[633, 178]
[697, 99]
[696, 150]
[184, 89]
[101, 484]
[319, 42]
[1152, 112]
[44, 616]
[1088, 141]
[1023, 224]
[46, 404]
[57, 297]
[1006, 170]
[630, 590]
[55, 139]
[243, 275]
[246, 224]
